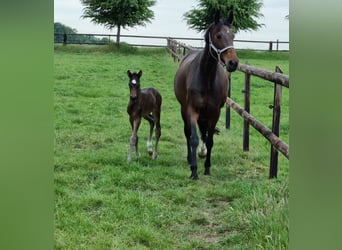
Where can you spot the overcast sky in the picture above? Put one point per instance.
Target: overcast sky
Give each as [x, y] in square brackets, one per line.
[169, 21]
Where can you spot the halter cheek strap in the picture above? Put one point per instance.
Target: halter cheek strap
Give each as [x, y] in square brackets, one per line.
[218, 51]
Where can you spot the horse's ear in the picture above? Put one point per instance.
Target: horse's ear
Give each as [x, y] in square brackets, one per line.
[217, 16]
[140, 73]
[129, 73]
[230, 18]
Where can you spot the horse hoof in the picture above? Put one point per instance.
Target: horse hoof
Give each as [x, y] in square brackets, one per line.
[193, 177]
[154, 155]
[150, 150]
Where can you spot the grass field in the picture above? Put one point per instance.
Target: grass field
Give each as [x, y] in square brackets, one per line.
[101, 202]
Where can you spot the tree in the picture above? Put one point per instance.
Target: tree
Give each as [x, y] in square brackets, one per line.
[244, 14]
[118, 13]
[72, 36]
[60, 29]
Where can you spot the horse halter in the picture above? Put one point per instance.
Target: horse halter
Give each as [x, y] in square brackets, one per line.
[218, 51]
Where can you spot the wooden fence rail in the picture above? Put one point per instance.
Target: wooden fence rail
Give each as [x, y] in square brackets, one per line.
[178, 50]
[276, 77]
[102, 39]
[266, 132]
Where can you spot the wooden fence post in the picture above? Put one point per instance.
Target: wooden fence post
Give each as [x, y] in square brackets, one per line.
[275, 126]
[65, 39]
[246, 91]
[227, 107]
[270, 47]
[174, 50]
[277, 44]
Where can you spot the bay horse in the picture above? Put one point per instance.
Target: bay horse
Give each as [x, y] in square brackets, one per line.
[144, 103]
[201, 86]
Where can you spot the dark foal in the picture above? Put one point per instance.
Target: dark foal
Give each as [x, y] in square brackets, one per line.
[201, 86]
[144, 103]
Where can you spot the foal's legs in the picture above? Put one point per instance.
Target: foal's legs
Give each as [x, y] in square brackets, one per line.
[153, 120]
[135, 123]
[149, 118]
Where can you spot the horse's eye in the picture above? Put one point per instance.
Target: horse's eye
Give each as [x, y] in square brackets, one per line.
[218, 36]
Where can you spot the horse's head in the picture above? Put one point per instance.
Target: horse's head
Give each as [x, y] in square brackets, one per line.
[219, 37]
[134, 84]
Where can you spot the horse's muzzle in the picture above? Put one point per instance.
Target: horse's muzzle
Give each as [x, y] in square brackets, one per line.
[134, 98]
[232, 65]
[133, 94]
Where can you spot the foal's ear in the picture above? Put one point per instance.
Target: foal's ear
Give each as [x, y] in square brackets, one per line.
[129, 73]
[230, 18]
[140, 73]
[217, 17]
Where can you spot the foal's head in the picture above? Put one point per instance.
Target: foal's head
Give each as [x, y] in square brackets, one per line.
[219, 37]
[134, 84]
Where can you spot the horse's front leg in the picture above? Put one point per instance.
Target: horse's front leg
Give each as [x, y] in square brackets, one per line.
[134, 138]
[194, 141]
[187, 131]
[210, 143]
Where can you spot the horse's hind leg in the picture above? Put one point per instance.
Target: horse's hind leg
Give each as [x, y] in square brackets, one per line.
[209, 145]
[149, 118]
[203, 127]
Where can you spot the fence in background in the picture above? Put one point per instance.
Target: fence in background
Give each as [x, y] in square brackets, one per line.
[160, 41]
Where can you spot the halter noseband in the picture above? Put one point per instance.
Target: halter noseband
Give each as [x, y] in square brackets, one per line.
[218, 51]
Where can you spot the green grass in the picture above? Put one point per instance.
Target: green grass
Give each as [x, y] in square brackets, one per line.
[101, 202]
